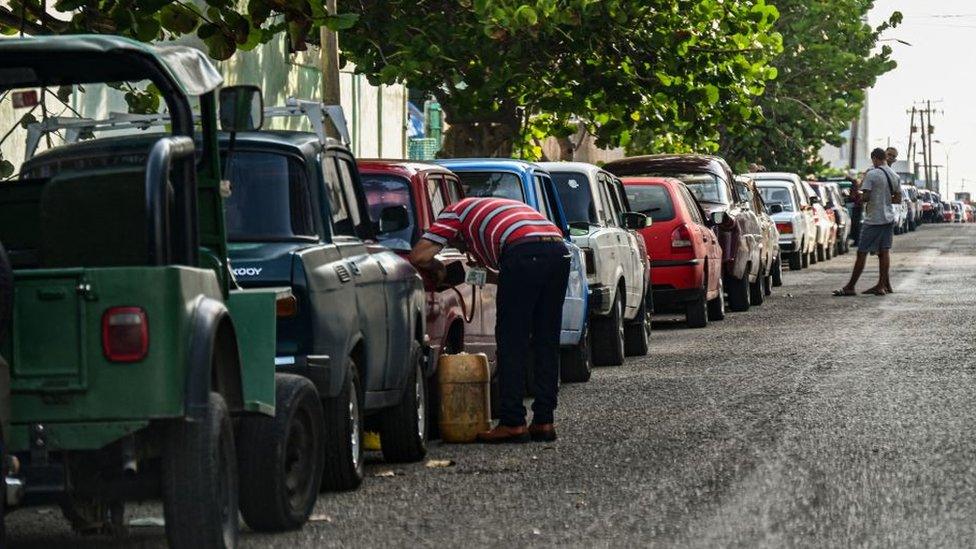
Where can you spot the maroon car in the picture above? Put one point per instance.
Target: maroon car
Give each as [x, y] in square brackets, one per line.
[712, 182]
[461, 319]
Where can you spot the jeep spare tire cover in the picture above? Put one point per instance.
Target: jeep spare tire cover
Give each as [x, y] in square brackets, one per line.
[6, 293]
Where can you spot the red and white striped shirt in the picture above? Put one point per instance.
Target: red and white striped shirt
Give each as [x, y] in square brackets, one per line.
[487, 224]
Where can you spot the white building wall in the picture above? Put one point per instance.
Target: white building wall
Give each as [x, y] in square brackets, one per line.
[839, 157]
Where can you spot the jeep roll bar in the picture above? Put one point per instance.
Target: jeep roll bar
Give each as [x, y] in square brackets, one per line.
[158, 191]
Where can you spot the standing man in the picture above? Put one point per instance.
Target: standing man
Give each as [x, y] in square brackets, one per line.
[529, 254]
[891, 155]
[879, 186]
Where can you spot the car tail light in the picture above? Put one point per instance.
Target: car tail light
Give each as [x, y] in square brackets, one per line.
[784, 228]
[125, 334]
[589, 258]
[24, 99]
[680, 238]
[286, 306]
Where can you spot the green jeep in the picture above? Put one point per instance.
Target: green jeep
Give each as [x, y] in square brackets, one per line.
[139, 369]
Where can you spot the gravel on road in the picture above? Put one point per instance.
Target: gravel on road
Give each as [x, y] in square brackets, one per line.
[809, 421]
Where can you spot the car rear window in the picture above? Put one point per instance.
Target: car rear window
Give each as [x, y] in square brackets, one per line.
[492, 184]
[651, 200]
[576, 196]
[778, 195]
[383, 191]
[270, 198]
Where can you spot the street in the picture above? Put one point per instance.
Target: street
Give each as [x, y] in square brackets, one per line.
[812, 421]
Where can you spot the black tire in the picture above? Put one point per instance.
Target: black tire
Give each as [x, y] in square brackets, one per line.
[804, 260]
[818, 254]
[575, 363]
[200, 481]
[608, 335]
[796, 262]
[6, 293]
[738, 293]
[343, 414]
[716, 307]
[777, 274]
[768, 282]
[696, 312]
[403, 428]
[637, 332]
[281, 458]
[757, 293]
[829, 252]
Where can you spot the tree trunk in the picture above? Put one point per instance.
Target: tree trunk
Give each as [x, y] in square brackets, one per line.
[479, 140]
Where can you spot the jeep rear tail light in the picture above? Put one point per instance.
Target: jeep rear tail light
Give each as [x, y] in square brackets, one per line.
[24, 99]
[680, 238]
[784, 228]
[125, 334]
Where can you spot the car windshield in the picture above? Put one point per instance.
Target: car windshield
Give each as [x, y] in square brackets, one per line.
[778, 195]
[705, 186]
[574, 193]
[384, 191]
[269, 199]
[492, 184]
[651, 200]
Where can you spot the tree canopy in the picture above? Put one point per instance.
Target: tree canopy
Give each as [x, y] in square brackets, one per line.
[509, 72]
[830, 57]
[221, 24]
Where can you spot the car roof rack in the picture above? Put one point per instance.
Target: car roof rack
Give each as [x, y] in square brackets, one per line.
[317, 114]
[76, 128]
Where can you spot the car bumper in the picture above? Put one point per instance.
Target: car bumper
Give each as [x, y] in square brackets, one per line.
[669, 297]
[600, 300]
[327, 375]
[787, 246]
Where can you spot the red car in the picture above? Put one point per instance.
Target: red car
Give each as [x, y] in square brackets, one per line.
[686, 257]
[457, 320]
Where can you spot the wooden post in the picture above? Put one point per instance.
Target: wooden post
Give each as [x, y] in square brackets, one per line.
[330, 67]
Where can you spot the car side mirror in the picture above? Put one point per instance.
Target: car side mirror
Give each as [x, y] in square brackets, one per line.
[634, 221]
[241, 108]
[775, 209]
[393, 219]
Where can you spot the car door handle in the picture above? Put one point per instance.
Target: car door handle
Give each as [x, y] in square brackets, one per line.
[354, 268]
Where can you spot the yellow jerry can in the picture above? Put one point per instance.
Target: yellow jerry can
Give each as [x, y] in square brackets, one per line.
[465, 385]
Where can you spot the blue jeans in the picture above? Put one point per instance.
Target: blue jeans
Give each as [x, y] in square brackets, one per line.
[531, 289]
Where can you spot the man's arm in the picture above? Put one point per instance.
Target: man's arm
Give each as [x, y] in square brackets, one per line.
[422, 254]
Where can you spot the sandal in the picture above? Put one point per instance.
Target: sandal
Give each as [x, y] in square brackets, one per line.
[874, 291]
[843, 292]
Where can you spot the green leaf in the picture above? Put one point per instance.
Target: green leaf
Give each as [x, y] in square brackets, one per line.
[526, 16]
[711, 93]
[341, 22]
[177, 19]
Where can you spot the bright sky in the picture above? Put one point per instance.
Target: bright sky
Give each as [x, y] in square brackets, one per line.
[939, 65]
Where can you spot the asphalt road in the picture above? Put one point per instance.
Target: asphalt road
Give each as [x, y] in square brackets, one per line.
[809, 421]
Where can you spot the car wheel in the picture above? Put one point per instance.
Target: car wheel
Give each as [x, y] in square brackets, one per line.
[796, 261]
[738, 293]
[281, 458]
[777, 279]
[696, 312]
[716, 307]
[608, 335]
[575, 365]
[403, 428]
[821, 253]
[637, 332]
[757, 294]
[768, 282]
[200, 480]
[804, 260]
[344, 435]
[829, 251]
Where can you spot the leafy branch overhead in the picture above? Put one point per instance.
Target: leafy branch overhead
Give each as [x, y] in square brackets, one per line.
[830, 57]
[220, 24]
[664, 68]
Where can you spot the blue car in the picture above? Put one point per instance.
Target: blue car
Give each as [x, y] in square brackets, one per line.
[529, 183]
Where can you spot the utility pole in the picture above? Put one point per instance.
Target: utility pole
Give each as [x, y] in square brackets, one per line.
[912, 165]
[928, 132]
[925, 130]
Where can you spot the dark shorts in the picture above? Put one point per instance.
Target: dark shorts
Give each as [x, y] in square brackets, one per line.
[875, 238]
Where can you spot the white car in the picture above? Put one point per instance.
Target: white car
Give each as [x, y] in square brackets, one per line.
[801, 248]
[783, 200]
[617, 266]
